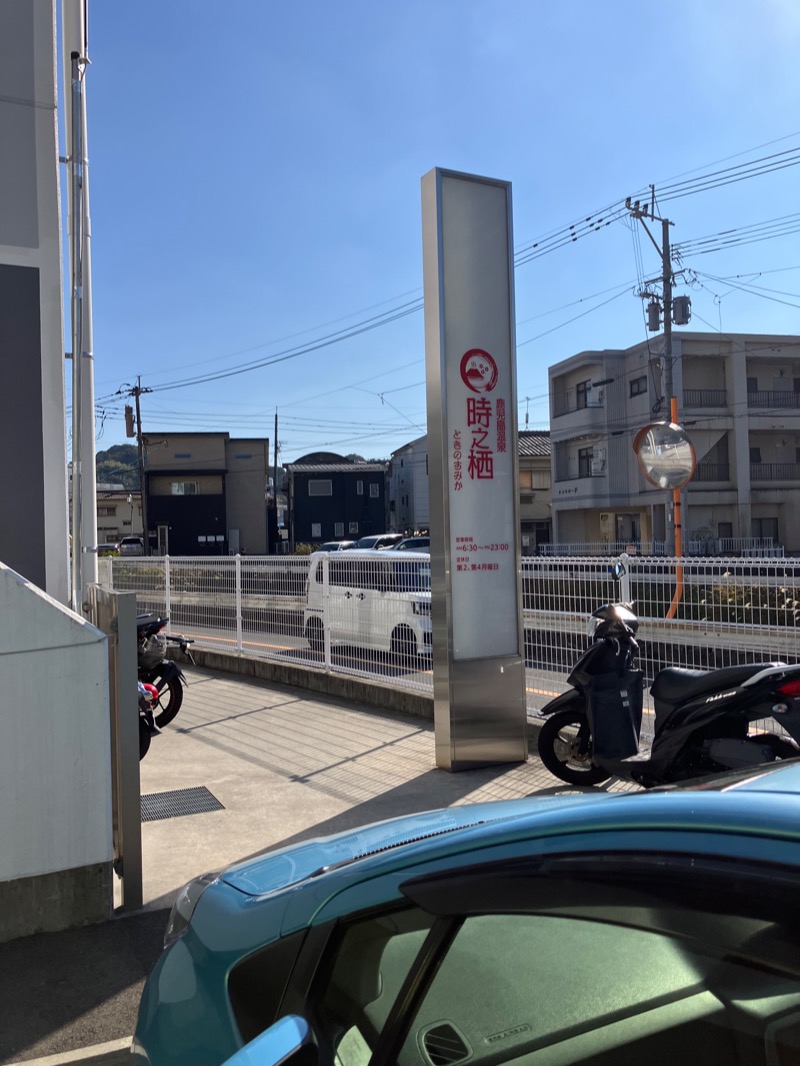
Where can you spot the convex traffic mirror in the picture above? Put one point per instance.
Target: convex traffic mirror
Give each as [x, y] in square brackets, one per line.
[665, 455]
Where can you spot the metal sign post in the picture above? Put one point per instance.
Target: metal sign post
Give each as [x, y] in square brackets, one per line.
[478, 650]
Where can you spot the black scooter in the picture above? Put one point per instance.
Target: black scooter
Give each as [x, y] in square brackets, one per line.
[702, 717]
[155, 669]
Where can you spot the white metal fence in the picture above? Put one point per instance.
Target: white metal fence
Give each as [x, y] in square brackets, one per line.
[370, 619]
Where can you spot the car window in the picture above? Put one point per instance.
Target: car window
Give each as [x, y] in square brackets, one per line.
[602, 972]
[370, 960]
[412, 575]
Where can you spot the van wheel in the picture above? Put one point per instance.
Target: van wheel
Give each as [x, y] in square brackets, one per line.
[314, 635]
[404, 645]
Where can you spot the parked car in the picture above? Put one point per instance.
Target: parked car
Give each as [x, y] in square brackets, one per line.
[336, 545]
[131, 546]
[379, 540]
[374, 600]
[618, 929]
[412, 544]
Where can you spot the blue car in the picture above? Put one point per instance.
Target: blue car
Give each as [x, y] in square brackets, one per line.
[647, 928]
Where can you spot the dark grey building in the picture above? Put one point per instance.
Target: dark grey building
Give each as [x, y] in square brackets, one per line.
[334, 498]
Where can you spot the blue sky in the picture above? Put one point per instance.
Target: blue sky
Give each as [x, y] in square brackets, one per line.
[255, 187]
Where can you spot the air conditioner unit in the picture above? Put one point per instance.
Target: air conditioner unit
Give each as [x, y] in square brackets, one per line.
[597, 466]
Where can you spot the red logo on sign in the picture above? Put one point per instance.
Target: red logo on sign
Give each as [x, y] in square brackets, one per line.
[478, 370]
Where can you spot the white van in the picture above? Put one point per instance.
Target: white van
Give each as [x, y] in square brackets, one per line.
[375, 599]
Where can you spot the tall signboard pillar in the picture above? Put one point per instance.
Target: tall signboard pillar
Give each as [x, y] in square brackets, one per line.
[478, 649]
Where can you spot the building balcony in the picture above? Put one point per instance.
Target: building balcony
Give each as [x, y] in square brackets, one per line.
[774, 398]
[712, 472]
[580, 477]
[775, 471]
[705, 397]
[567, 403]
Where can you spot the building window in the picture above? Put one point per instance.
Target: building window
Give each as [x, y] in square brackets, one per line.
[338, 529]
[725, 530]
[525, 479]
[639, 386]
[752, 384]
[585, 462]
[765, 528]
[352, 527]
[320, 488]
[316, 530]
[106, 512]
[374, 491]
[359, 488]
[583, 392]
[184, 488]
[755, 455]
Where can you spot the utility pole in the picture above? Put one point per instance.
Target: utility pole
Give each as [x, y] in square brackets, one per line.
[275, 477]
[136, 391]
[646, 212]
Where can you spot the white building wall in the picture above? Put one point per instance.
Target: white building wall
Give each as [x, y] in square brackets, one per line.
[33, 439]
[55, 768]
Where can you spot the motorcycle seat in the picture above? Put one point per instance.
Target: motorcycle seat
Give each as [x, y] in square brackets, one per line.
[676, 683]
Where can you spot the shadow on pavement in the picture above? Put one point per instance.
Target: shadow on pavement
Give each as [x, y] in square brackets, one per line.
[63, 991]
[430, 790]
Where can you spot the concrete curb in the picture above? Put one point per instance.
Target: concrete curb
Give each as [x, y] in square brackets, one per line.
[112, 1053]
[369, 695]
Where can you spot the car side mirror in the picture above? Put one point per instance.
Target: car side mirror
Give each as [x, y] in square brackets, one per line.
[619, 570]
[289, 1042]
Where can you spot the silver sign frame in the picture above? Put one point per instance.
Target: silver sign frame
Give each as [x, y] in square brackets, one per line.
[478, 645]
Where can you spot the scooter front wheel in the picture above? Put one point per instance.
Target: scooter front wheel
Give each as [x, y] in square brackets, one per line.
[565, 748]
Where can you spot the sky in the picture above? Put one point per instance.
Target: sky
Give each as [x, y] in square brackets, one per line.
[255, 193]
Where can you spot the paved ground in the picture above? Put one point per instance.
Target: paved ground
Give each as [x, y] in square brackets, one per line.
[285, 767]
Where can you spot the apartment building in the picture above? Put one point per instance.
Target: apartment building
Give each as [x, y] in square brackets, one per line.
[408, 488]
[739, 400]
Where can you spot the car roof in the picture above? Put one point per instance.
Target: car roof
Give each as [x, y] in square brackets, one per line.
[372, 553]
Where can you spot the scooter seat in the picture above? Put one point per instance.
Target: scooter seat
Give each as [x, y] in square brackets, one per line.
[675, 683]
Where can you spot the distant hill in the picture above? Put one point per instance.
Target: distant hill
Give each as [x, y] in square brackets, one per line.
[119, 465]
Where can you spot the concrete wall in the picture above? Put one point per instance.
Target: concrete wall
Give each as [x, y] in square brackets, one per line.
[32, 411]
[55, 769]
[246, 492]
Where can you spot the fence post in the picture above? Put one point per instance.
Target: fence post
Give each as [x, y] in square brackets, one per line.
[115, 614]
[167, 593]
[239, 645]
[326, 607]
[625, 579]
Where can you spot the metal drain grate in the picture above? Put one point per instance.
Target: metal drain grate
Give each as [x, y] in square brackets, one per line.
[159, 805]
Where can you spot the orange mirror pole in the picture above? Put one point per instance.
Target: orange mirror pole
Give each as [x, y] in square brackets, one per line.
[676, 514]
